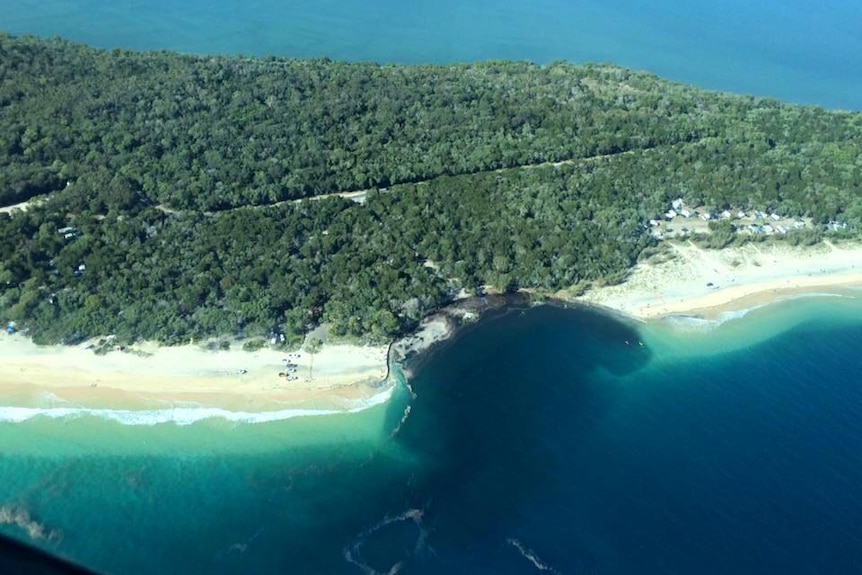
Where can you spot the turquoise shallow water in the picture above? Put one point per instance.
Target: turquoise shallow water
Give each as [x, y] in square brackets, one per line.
[213, 496]
[535, 442]
[792, 49]
[539, 437]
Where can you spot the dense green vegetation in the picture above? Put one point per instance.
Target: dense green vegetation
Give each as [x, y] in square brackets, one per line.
[174, 171]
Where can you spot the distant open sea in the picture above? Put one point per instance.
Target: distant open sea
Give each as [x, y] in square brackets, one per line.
[546, 440]
[794, 50]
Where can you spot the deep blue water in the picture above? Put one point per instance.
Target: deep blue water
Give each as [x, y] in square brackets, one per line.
[602, 457]
[536, 442]
[536, 439]
[789, 49]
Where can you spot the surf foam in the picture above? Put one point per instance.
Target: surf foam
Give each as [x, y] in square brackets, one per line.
[183, 415]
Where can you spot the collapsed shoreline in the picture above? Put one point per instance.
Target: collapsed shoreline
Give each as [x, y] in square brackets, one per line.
[343, 378]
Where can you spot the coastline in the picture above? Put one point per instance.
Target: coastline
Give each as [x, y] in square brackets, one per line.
[148, 383]
[707, 284]
[442, 326]
[149, 377]
[187, 383]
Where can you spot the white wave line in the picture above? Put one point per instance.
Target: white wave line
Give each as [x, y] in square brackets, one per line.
[180, 415]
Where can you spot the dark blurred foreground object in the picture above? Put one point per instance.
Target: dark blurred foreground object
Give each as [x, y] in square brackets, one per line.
[18, 558]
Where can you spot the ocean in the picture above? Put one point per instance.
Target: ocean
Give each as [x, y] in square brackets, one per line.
[792, 50]
[548, 439]
[566, 441]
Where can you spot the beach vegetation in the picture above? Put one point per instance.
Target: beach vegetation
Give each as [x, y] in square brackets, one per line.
[202, 193]
[254, 344]
[312, 345]
[805, 237]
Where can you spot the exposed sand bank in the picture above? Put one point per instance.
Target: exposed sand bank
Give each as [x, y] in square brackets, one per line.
[337, 376]
[707, 283]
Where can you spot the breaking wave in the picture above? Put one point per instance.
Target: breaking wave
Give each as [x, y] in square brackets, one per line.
[182, 415]
[694, 323]
[684, 322]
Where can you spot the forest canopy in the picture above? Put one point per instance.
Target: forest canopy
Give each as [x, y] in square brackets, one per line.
[173, 196]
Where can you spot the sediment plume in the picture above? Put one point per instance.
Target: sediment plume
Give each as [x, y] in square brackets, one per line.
[21, 518]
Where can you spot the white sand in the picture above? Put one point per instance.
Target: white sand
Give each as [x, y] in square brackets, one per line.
[189, 373]
[340, 374]
[740, 277]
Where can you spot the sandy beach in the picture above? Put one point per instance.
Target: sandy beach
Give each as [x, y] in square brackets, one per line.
[147, 376]
[683, 280]
[689, 280]
[336, 377]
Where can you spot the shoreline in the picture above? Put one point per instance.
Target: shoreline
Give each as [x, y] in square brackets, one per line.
[147, 383]
[412, 350]
[707, 284]
[187, 383]
[150, 377]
